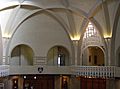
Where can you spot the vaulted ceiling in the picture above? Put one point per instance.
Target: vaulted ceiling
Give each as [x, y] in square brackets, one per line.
[72, 15]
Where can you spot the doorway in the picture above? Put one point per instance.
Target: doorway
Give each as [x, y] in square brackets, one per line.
[93, 56]
[38, 82]
[92, 83]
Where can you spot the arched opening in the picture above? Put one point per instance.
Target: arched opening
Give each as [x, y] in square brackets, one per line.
[92, 47]
[58, 56]
[93, 56]
[22, 55]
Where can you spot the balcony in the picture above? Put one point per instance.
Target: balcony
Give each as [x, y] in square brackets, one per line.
[39, 69]
[97, 71]
[86, 71]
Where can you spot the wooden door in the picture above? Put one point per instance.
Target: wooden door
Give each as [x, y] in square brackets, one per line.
[41, 82]
[92, 83]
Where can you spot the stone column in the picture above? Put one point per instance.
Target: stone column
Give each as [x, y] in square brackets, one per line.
[5, 44]
[108, 49]
[75, 43]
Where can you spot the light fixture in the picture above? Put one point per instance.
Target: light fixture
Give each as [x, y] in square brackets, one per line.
[107, 36]
[24, 77]
[6, 36]
[35, 77]
[15, 81]
[75, 38]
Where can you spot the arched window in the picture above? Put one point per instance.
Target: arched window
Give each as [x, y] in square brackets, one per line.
[22, 55]
[58, 56]
[90, 31]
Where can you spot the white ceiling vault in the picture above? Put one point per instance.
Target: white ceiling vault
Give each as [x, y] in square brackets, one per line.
[72, 15]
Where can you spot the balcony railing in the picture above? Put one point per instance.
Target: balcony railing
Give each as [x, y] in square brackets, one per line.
[4, 70]
[86, 71]
[39, 60]
[95, 71]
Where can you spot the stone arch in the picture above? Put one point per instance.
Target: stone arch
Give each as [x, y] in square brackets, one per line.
[94, 40]
[22, 55]
[58, 56]
[93, 56]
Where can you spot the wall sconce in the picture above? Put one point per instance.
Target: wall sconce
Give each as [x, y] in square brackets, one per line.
[107, 39]
[75, 38]
[6, 36]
